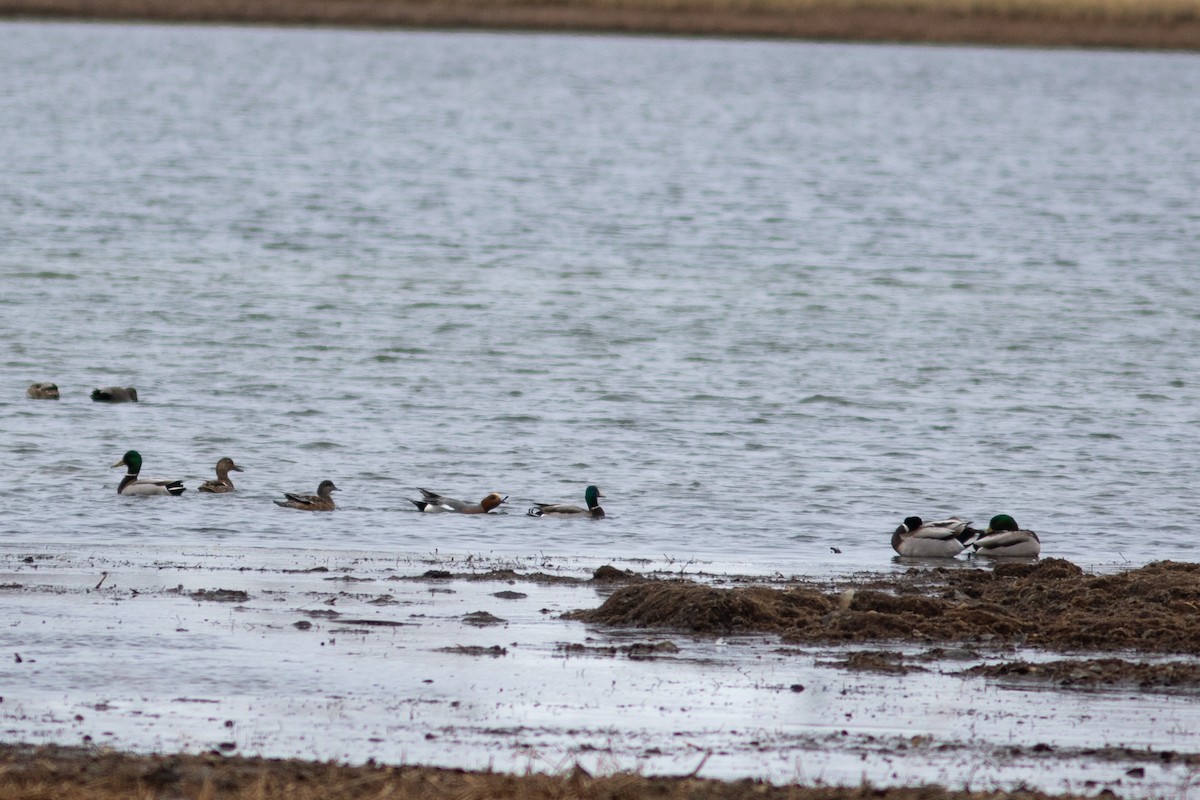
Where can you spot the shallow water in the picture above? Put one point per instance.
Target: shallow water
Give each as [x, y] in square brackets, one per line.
[770, 297]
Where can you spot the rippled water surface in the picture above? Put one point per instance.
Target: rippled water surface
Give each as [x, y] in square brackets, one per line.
[770, 297]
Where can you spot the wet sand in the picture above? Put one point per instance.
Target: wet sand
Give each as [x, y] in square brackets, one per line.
[1163, 24]
[483, 671]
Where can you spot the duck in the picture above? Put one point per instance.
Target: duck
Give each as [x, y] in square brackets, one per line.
[942, 539]
[321, 501]
[222, 484]
[593, 511]
[115, 394]
[1005, 538]
[131, 484]
[42, 390]
[433, 502]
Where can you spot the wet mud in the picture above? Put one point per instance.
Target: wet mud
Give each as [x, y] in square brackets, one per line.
[74, 773]
[1097, 672]
[1051, 604]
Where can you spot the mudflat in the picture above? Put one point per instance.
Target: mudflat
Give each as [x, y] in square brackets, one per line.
[232, 672]
[73, 773]
[1155, 24]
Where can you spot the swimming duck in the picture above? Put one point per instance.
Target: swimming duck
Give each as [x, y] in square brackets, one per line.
[593, 511]
[1004, 538]
[942, 539]
[133, 485]
[321, 501]
[222, 484]
[42, 391]
[433, 503]
[115, 394]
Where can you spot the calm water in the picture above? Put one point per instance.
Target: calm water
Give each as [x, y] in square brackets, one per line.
[771, 297]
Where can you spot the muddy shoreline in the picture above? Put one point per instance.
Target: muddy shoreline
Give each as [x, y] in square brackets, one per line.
[1021, 26]
[73, 773]
[265, 669]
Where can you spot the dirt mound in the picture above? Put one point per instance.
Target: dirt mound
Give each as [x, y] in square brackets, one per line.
[691, 606]
[1051, 604]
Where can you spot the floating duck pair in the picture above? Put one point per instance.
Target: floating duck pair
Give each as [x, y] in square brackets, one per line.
[44, 390]
[133, 484]
[433, 502]
[948, 537]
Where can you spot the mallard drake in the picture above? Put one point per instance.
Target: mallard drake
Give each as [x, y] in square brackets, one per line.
[222, 484]
[133, 485]
[42, 391]
[942, 539]
[434, 503]
[593, 511]
[321, 501]
[115, 394]
[1004, 538]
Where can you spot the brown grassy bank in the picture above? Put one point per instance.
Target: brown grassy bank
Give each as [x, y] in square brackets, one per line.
[1051, 604]
[71, 773]
[1163, 24]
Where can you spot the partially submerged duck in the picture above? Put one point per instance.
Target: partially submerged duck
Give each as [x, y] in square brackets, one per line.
[942, 539]
[1004, 538]
[42, 391]
[131, 484]
[115, 394]
[222, 484]
[593, 511]
[321, 501]
[433, 502]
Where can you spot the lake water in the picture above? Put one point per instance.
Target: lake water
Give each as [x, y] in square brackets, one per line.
[771, 297]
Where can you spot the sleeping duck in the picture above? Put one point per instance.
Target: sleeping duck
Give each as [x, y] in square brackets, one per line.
[115, 394]
[942, 539]
[42, 391]
[1004, 538]
[593, 511]
[131, 484]
[321, 501]
[222, 484]
[433, 503]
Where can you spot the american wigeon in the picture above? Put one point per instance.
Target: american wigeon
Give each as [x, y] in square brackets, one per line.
[434, 503]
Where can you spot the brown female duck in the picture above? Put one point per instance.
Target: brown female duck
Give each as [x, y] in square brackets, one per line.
[321, 501]
[222, 484]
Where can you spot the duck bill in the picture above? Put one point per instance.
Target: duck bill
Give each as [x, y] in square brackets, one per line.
[120, 463]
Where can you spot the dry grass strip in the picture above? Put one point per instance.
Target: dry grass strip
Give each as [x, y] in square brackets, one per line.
[70, 773]
[1051, 604]
[1160, 24]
